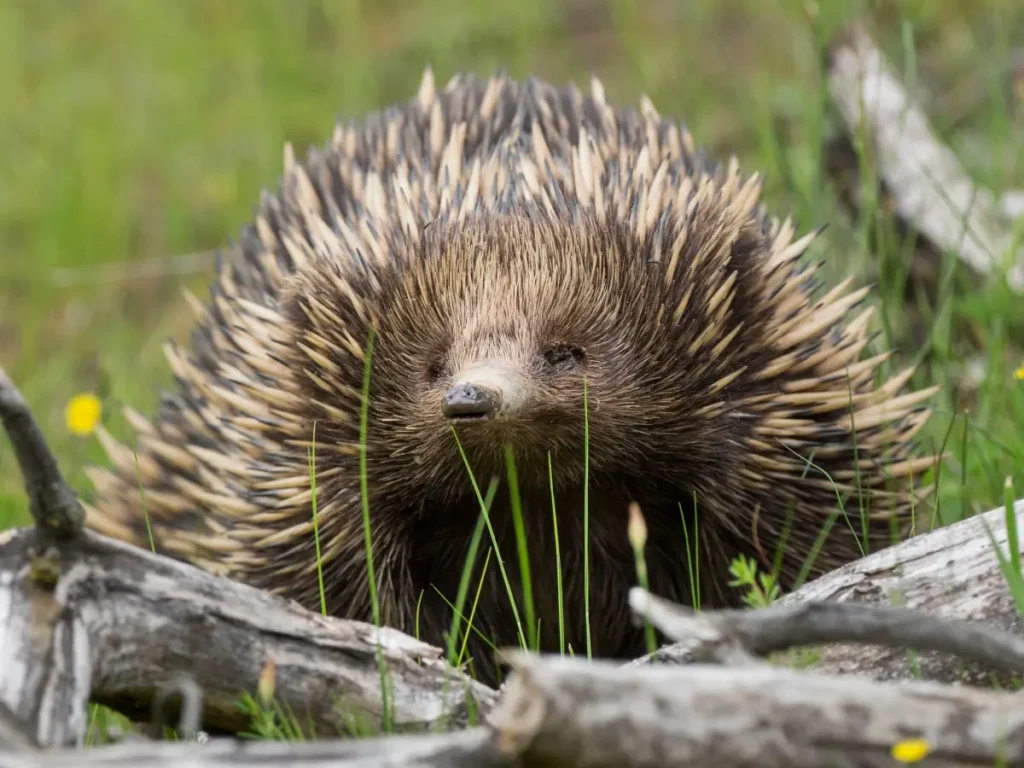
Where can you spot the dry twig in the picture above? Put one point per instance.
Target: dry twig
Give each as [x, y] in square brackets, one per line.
[52, 503]
[921, 177]
[735, 637]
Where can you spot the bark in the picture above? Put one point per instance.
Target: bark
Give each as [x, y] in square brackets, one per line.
[952, 572]
[14, 734]
[570, 712]
[565, 712]
[118, 623]
[474, 748]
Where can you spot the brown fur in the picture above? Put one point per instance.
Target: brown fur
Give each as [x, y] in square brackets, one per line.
[486, 224]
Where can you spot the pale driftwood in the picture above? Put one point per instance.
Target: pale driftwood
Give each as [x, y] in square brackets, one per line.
[473, 748]
[952, 572]
[925, 181]
[1012, 204]
[14, 734]
[120, 622]
[735, 637]
[570, 712]
[563, 712]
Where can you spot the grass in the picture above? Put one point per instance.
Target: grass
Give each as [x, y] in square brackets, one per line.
[136, 137]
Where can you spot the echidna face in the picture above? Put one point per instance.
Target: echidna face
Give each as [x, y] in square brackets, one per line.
[496, 329]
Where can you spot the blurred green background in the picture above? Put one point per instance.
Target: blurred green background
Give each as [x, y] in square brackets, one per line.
[135, 137]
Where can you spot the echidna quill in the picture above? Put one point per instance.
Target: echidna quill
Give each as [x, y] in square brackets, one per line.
[542, 270]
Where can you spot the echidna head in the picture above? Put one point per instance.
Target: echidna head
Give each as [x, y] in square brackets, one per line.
[501, 325]
[510, 330]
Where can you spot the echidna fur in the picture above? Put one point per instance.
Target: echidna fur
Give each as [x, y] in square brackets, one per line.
[475, 229]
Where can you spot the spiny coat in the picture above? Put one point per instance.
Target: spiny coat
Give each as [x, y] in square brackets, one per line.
[522, 253]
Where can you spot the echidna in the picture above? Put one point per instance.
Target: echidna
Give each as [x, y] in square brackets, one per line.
[542, 270]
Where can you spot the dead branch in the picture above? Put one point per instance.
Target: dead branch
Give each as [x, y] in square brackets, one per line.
[474, 748]
[921, 178]
[14, 734]
[570, 712]
[111, 622]
[1012, 204]
[721, 634]
[950, 574]
[52, 503]
[563, 712]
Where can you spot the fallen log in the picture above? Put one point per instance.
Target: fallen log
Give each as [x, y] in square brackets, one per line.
[474, 748]
[738, 637]
[15, 734]
[952, 572]
[119, 622]
[563, 712]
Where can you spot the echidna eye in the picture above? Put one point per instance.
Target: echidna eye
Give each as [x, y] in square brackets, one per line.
[435, 371]
[564, 357]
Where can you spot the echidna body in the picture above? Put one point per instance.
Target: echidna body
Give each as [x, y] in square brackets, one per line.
[544, 271]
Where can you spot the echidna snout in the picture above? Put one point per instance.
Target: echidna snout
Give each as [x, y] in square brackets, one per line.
[471, 402]
[482, 393]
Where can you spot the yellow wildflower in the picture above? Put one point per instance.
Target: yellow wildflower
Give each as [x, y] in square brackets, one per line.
[83, 413]
[911, 750]
[1019, 373]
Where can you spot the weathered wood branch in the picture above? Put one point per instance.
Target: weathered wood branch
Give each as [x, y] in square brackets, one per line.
[725, 636]
[569, 712]
[14, 734]
[116, 622]
[473, 748]
[920, 176]
[951, 573]
[1012, 204]
[601, 714]
[52, 503]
